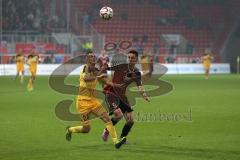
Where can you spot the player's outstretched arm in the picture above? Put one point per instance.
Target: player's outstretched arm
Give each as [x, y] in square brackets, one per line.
[143, 93]
[103, 78]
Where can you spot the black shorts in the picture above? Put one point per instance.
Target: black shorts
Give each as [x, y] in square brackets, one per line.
[114, 102]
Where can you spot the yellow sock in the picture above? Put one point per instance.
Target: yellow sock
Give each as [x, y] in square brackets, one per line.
[22, 78]
[30, 82]
[112, 131]
[77, 129]
[30, 85]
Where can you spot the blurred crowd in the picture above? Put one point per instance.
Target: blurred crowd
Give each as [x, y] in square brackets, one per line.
[28, 15]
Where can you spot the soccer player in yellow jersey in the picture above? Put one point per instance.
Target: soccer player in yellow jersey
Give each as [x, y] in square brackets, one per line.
[145, 64]
[87, 103]
[32, 62]
[207, 59]
[20, 65]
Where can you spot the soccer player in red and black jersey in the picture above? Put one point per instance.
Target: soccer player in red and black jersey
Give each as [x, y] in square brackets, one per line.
[124, 74]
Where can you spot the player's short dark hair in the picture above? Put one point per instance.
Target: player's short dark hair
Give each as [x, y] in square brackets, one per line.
[30, 56]
[89, 52]
[133, 52]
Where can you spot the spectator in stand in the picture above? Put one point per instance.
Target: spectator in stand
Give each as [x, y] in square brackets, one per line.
[189, 48]
[173, 48]
[169, 59]
[86, 17]
[47, 60]
[156, 47]
[28, 15]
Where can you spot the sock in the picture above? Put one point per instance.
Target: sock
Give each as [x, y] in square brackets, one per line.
[16, 77]
[30, 81]
[112, 131]
[22, 78]
[126, 129]
[77, 129]
[114, 121]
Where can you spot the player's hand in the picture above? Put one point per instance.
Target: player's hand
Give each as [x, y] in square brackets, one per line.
[101, 76]
[118, 85]
[146, 97]
[103, 68]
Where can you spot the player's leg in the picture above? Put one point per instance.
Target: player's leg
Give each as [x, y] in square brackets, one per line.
[30, 82]
[18, 70]
[103, 115]
[145, 75]
[206, 72]
[128, 125]
[115, 119]
[112, 103]
[34, 72]
[22, 76]
[84, 108]
[127, 112]
[16, 76]
[84, 128]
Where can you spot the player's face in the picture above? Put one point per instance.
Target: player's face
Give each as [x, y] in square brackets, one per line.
[132, 59]
[91, 58]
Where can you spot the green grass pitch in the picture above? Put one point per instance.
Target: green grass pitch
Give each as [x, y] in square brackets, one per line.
[29, 128]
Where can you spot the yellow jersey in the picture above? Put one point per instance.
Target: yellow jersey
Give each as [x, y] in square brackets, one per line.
[33, 61]
[144, 61]
[20, 62]
[86, 89]
[20, 59]
[86, 99]
[207, 59]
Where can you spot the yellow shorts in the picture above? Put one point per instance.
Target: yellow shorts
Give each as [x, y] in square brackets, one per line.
[85, 107]
[33, 71]
[20, 68]
[207, 66]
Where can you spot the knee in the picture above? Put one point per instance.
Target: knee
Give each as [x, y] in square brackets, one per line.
[86, 129]
[118, 113]
[105, 118]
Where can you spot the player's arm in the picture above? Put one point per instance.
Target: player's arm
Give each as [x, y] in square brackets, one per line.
[141, 89]
[143, 93]
[211, 58]
[117, 67]
[28, 62]
[103, 69]
[103, 79]
[89, 77]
